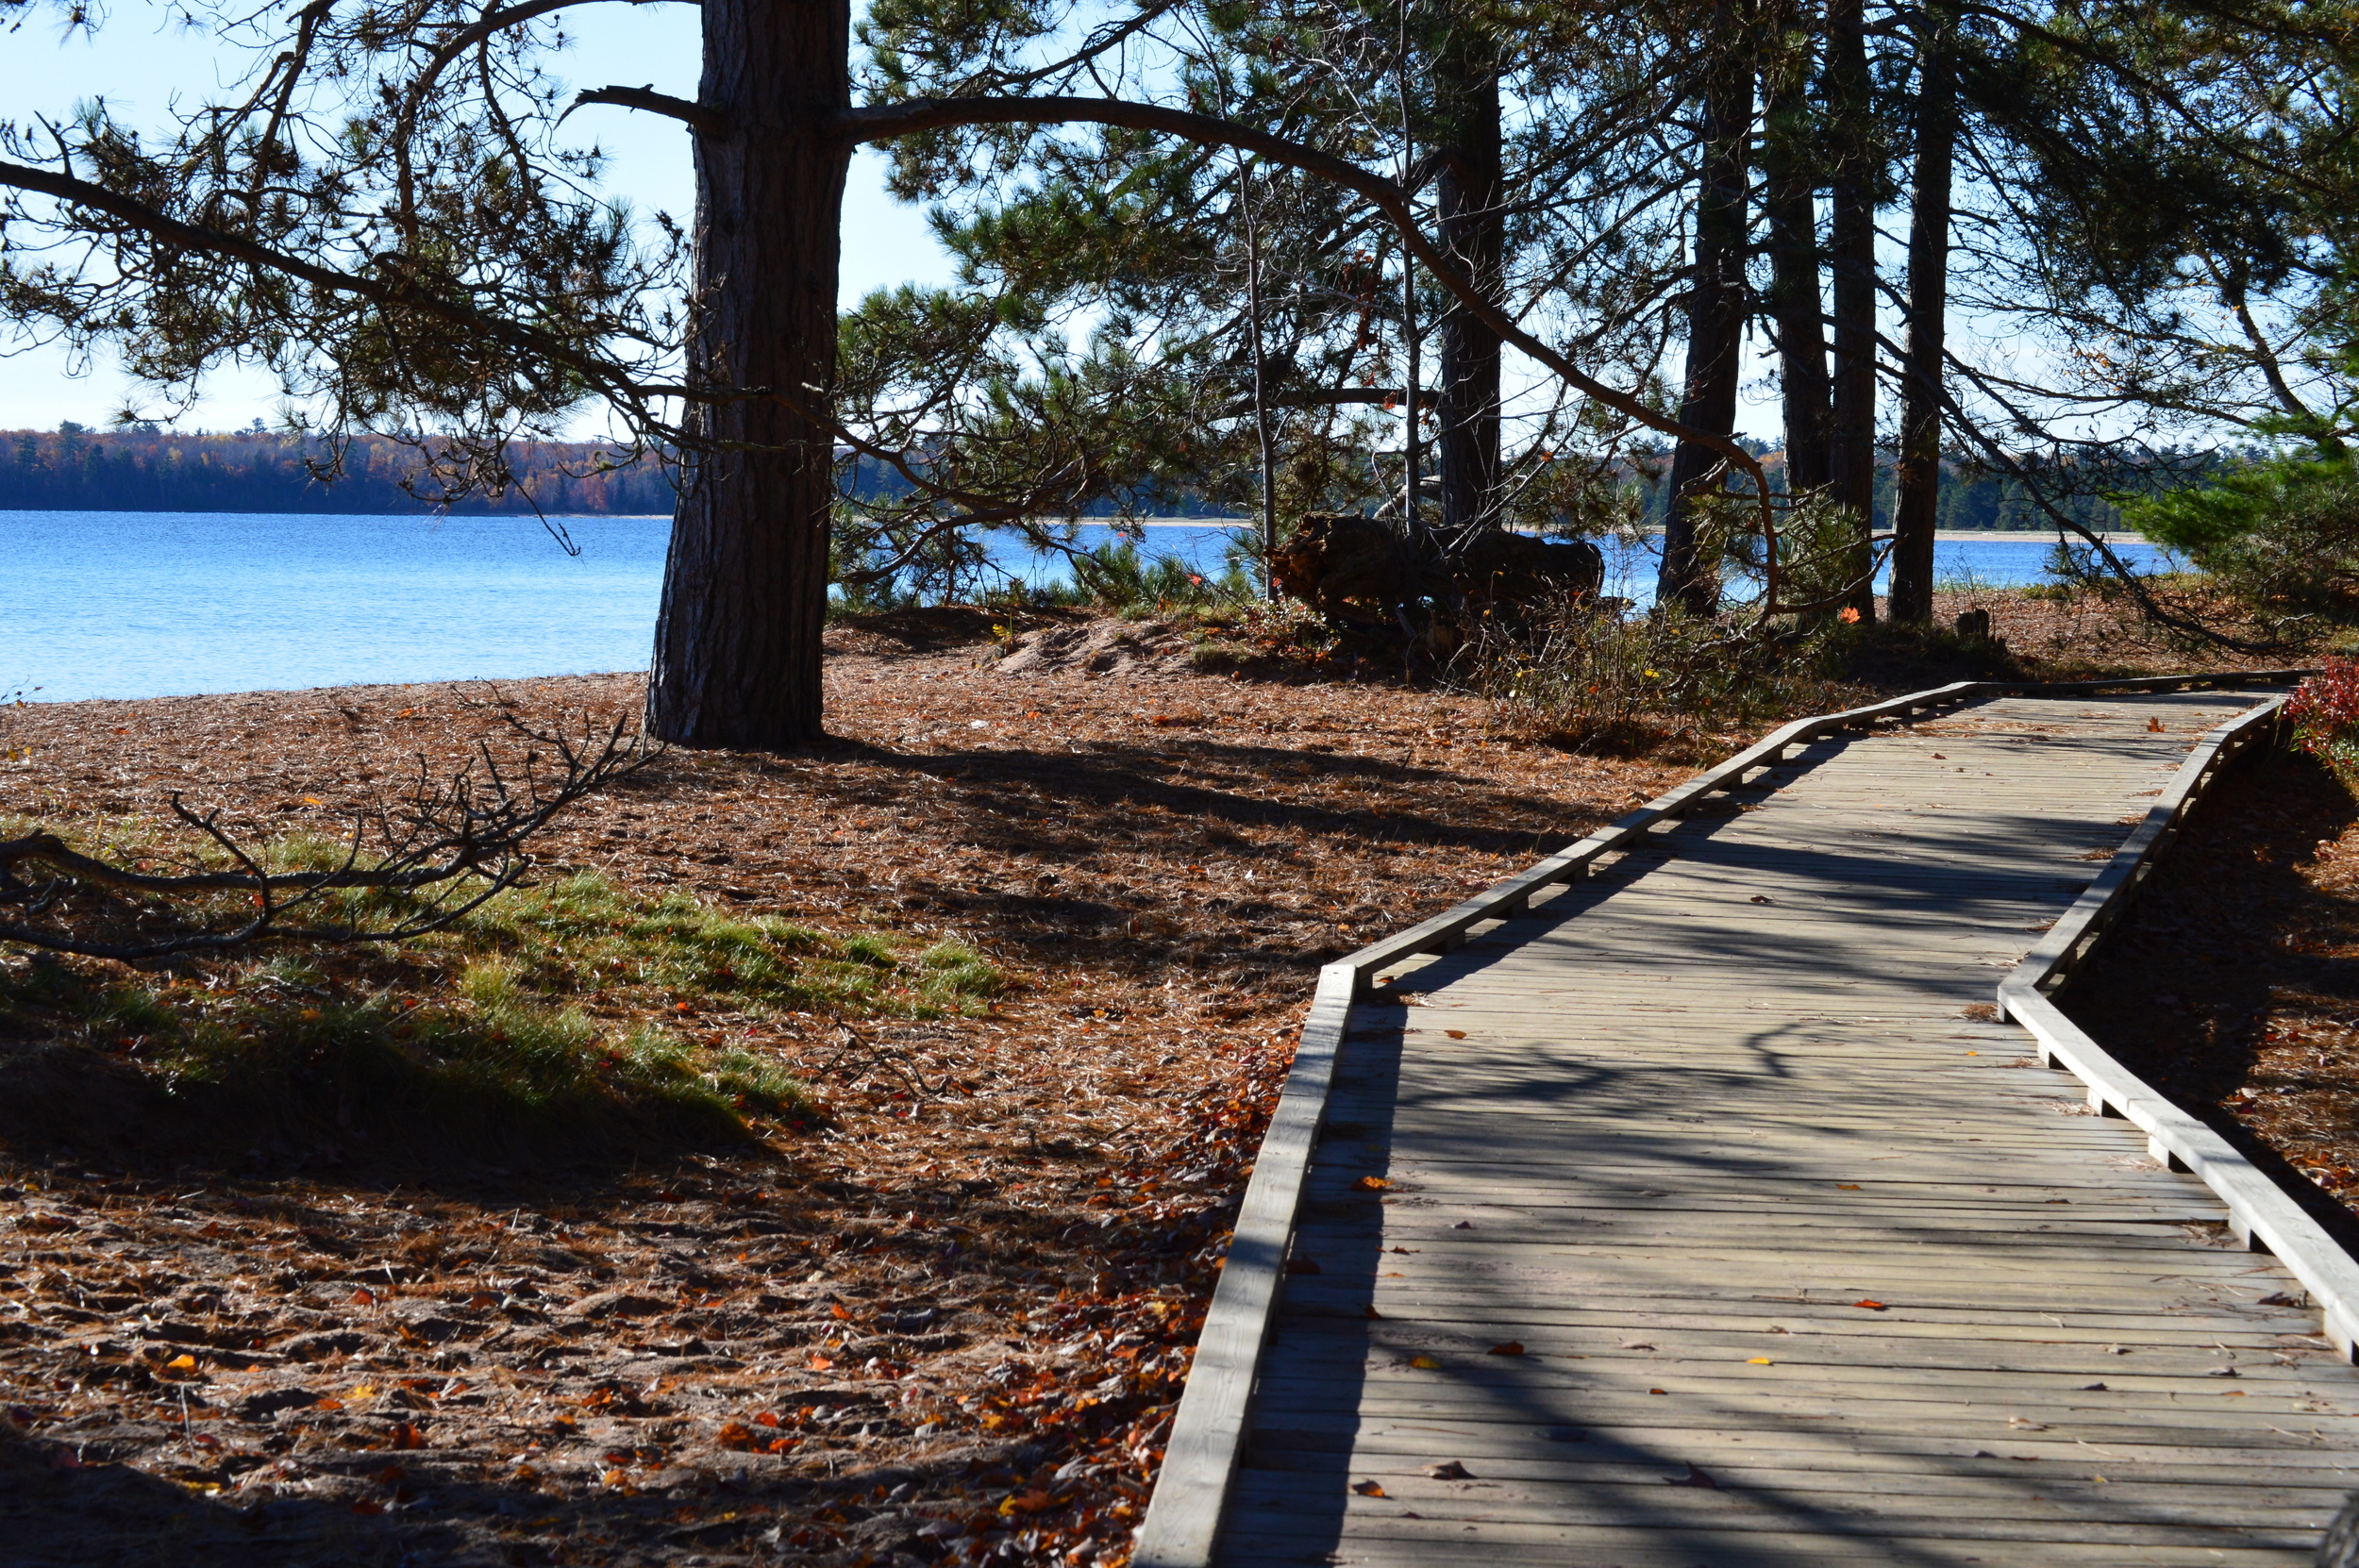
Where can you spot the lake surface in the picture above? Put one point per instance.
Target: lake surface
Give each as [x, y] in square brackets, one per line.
[164, 604]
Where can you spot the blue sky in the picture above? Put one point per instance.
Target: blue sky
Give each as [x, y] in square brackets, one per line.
[140, 62]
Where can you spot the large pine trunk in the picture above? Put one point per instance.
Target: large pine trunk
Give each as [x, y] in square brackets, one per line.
[1474, 232]
[1716, 318]
[1851, 244]
[745, 585]
[1918, 506]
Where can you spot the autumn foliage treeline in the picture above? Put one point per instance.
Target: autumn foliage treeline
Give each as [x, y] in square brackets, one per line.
[75, 470]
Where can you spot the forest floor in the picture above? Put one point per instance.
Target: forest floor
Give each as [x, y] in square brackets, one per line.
[2232, 984]
[1037, 926]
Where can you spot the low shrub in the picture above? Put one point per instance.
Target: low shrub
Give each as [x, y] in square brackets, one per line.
[2324, 712]
[1612, 683]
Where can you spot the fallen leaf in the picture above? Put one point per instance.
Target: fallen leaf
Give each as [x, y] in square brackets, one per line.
[361, 1297]
[1464, 1225]
[1760, 1360]
[1424, 1363]
[1370, 1313]
[1369, 1489]
[1658, 1390]
[817, 1363]
[1370, 1184]
[1454, 1471]
[1299, 1265]
[1693, 1477]
[1847, 1185]
[1763, 898]
[835, 1309]
[181, 1363]
[1505, 1347]
[1867, 1305]
[1455, 1034]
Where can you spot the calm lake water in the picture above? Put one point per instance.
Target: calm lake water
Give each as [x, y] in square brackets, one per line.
[161, 604]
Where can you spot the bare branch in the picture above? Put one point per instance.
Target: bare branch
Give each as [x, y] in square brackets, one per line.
[442, 851]
[694, 116]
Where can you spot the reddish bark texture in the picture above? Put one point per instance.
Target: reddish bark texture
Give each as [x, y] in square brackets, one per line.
[744, 590]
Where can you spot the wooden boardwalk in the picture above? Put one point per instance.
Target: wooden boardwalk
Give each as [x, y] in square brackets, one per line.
[1705, 1219]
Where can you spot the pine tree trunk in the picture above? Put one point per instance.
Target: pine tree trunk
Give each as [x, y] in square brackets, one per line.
[1789, 188]
[1917, 505]
[1852, 235]
[745, 588]
[1715, 320]
[1474, 232]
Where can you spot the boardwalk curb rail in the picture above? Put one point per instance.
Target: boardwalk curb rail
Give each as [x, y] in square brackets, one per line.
[1207, 1441]
[2262, 1214]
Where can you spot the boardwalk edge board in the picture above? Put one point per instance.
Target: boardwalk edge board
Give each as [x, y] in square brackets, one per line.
[2262, 1214]
[1207, 1430]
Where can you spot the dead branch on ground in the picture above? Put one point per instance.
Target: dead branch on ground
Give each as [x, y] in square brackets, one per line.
[447, 847]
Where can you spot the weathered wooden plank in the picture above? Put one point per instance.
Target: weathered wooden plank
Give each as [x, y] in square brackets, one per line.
[1672, 1106]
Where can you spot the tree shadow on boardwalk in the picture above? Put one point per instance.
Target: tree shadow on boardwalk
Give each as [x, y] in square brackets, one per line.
[1436, 1446]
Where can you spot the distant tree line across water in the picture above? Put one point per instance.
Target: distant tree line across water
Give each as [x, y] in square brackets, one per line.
[143, 469]
[74, 469]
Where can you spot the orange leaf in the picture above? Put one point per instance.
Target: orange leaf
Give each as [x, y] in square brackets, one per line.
[362, 1298]
[835, 1309]
[1847, 1185]
[1506, 1347]
[1455, 1034]
[1424, 1363]
[1370, 1184]
[181, 1363]
[1872, 1306]
[406, 1435]
[767, 1418]
[736, 1434]
[817, 1363]
[1369, 1489]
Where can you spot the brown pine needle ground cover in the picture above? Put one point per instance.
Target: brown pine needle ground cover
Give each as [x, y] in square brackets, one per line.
[2232, 985]
[935, 1304]
[829, 1160]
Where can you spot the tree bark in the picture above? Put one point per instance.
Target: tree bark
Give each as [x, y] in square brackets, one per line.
[1852, 235]
[1918, 506]
[1470, 196]
[737, 644]
[1716, 315]
[1788, 201]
